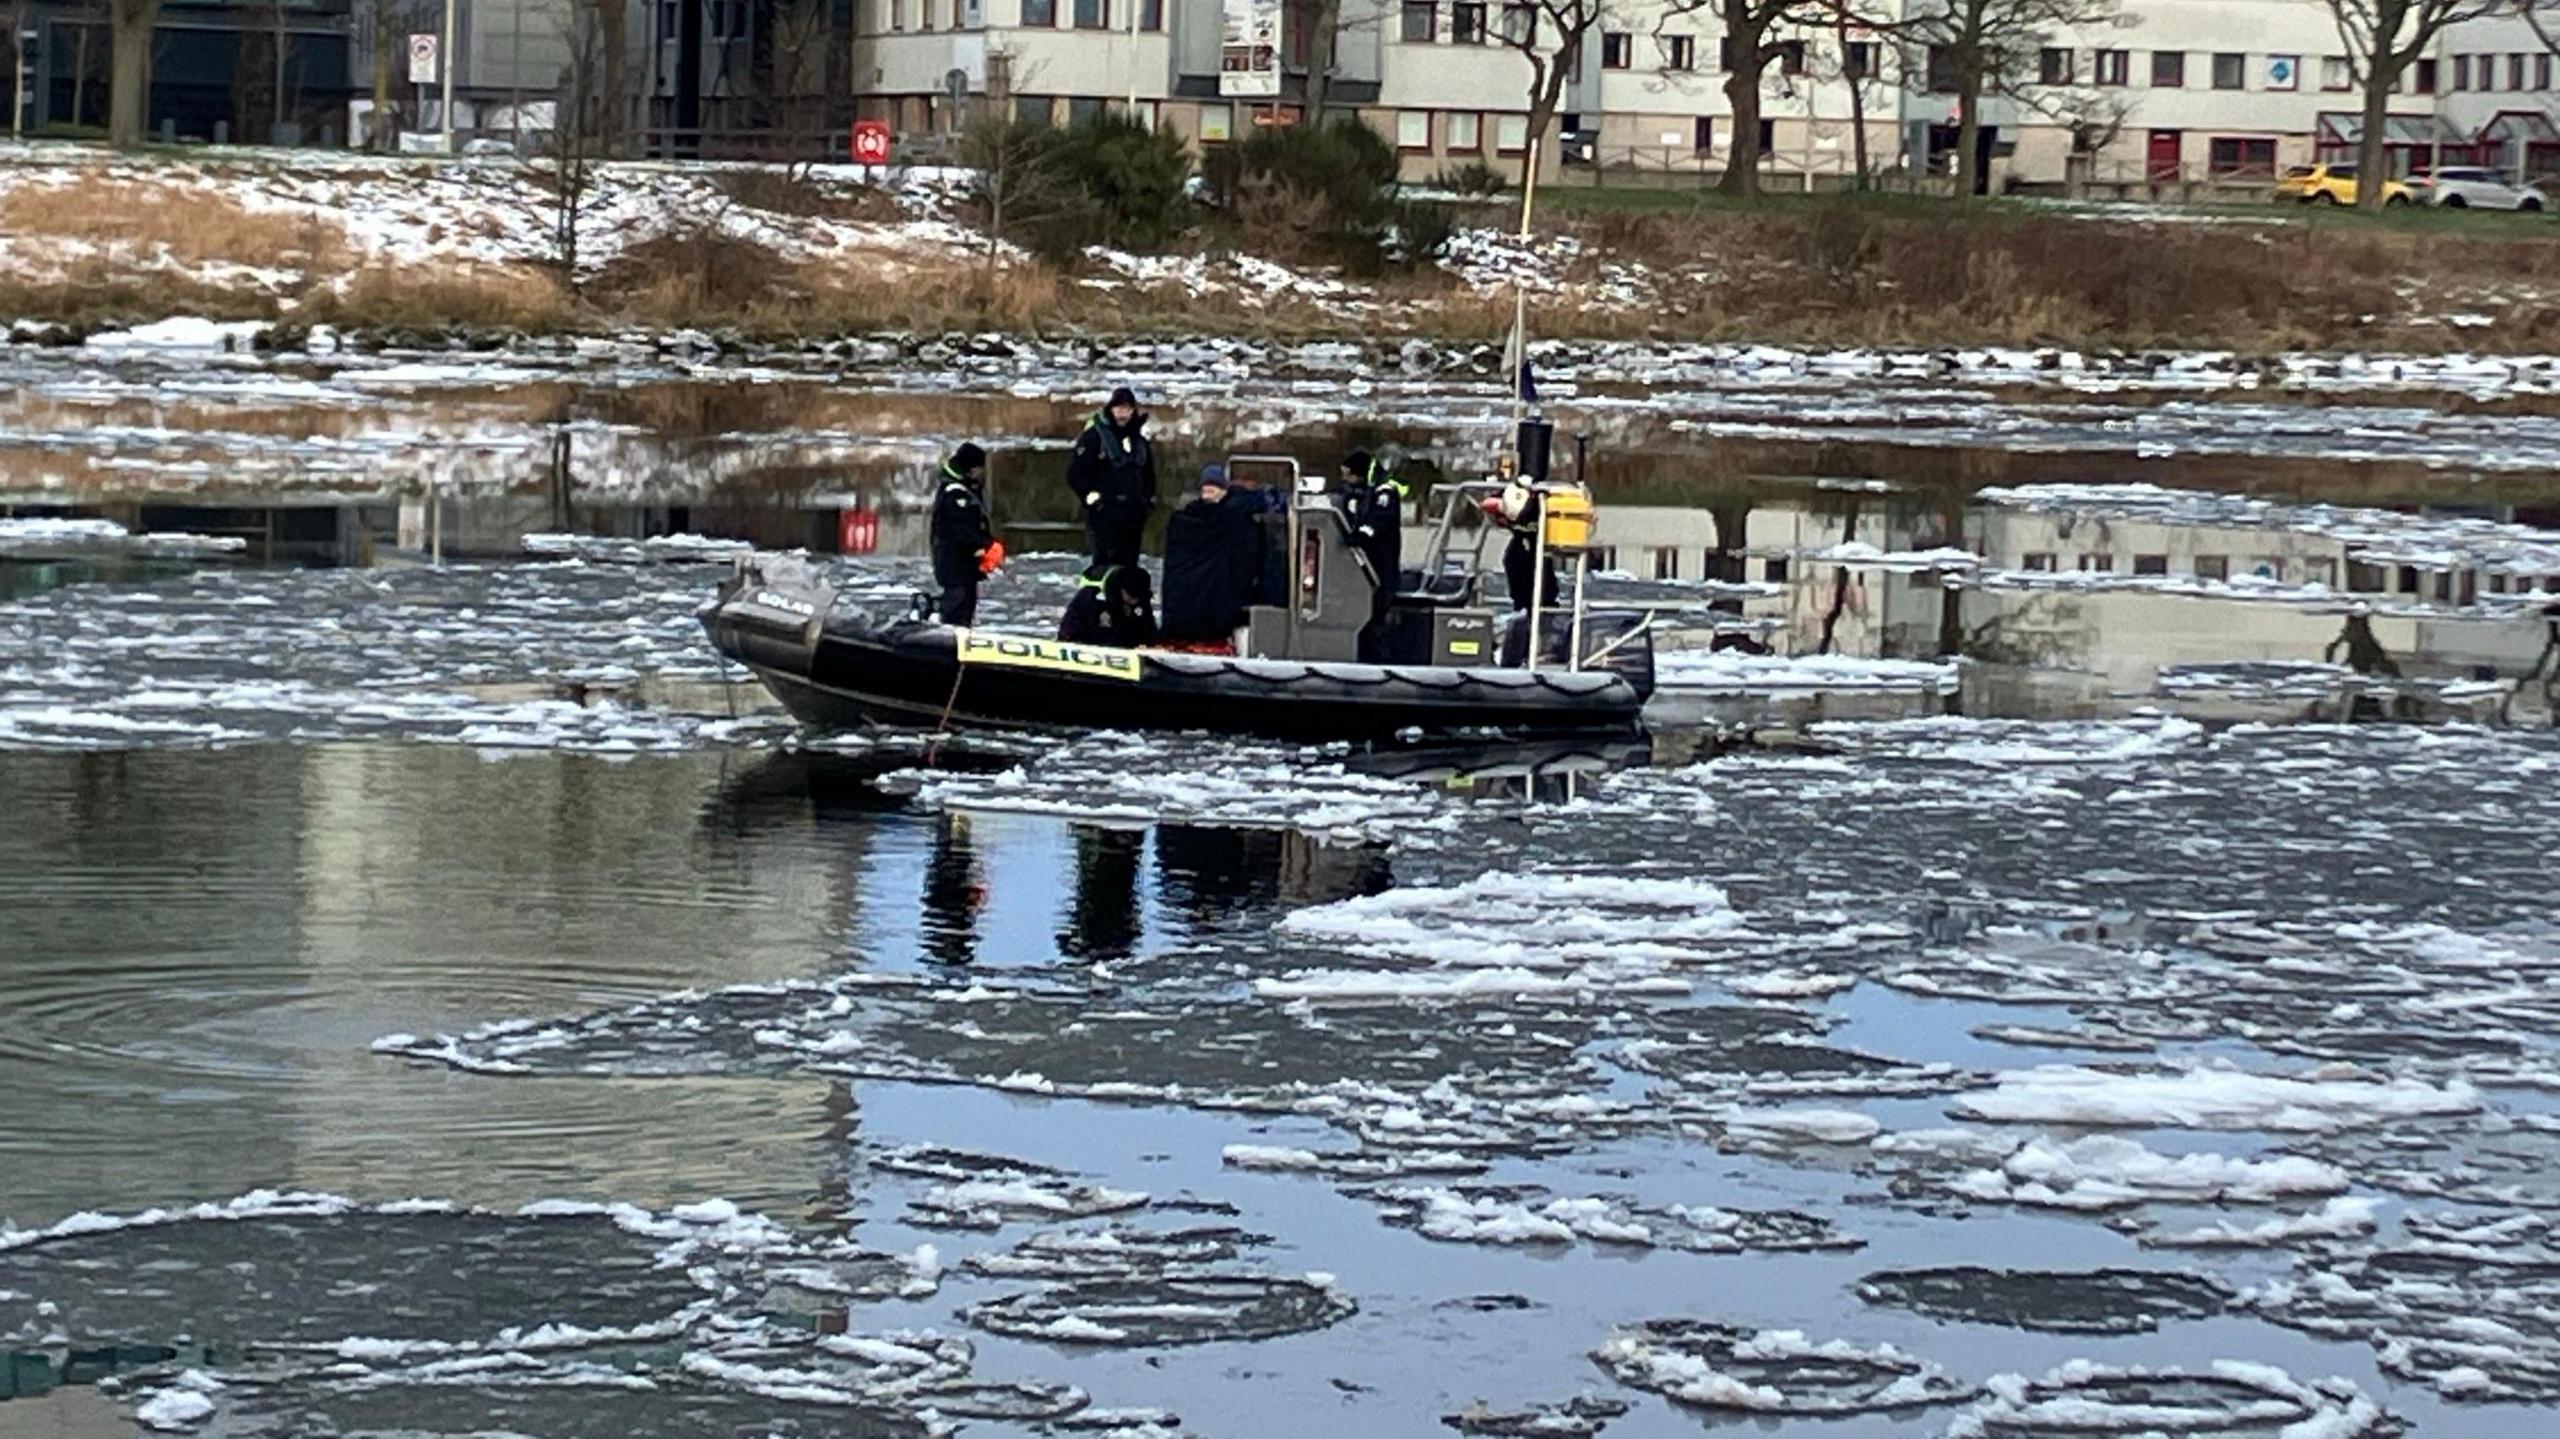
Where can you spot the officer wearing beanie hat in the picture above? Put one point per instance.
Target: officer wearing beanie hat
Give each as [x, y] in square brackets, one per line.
[965, 547]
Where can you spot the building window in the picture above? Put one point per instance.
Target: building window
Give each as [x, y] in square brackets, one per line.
[2113, 67]
[2098, 564]
[2241, 155]
[2267, 567]
[1791, 57]
[1859, 60]
[1768, 137]
[2335, 73]
[1774, 571]
[1466, 132]
[1040, 14]
[2322, 572]
[2427, 72]
[1413, 130]
[2040, 562]
[1093, 14]
[2542, 72]
[1510, 134]
[2230, 72]
[2168, 69]
[1666, 562]
[1217, 124]
[1466, 24]
[1617, 50]
[1151, 16]
[2053, 66]
[2515, 72]
[1702, 134]
[897, 18]
[1084, 109]
[2151, 564]
[1942, 70]
[2462, 72]
[2213, 567]
[1033, 109]
[1421, 21]
[1679, 52]
[1724, 53]
[1520, 26]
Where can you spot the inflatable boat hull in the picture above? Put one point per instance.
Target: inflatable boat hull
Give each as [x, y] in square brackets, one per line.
[837, 673]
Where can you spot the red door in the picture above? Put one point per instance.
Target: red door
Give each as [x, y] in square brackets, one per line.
[2163, 161]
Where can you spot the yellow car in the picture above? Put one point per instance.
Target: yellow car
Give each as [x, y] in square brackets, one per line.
[2332, 185]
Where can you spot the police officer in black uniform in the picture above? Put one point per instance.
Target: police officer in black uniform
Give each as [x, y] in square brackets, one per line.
[1113, 474]
[962, 535]
[1375, 502]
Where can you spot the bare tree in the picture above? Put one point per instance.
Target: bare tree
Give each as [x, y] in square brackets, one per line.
[582, 132]
[1991, 47]
[1751, 42]
[132, 23]
[84, 19]
[390, 44]
[1326, 23]
[1550, 35]
[2384, 38]
[1857, 61]
[16, 16]
[798, 76]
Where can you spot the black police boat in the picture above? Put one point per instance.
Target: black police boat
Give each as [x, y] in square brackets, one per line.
[1460, 667]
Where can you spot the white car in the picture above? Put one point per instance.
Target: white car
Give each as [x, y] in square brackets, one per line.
[2457, 188]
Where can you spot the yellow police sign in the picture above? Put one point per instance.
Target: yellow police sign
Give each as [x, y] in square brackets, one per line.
[1020, 652]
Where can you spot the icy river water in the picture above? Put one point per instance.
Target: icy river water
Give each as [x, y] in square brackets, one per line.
[2105, 982]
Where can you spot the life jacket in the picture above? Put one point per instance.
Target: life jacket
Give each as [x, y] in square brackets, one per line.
[1125, 454]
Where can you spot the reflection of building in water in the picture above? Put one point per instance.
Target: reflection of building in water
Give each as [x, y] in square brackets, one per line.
[1805, 607]
[2232, 593]
[433, 886]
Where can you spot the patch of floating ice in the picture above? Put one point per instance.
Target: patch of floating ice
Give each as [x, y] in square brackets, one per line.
[1520, 1216]
[1511, 935]
[2345, 1217]
[1818, 1126]
[185, 1403]
[2004, 743]
[2104, 1171]
[1129, 779]
[698, 548]
[1772, 1371]
[2229, 1399]
[1859, 555]
[181, 332]
[2212, 1097]
[1733, 671]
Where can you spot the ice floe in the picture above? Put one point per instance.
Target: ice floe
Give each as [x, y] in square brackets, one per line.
[1772, 1371]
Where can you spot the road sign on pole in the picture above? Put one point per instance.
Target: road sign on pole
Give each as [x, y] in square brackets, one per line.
[422, 59]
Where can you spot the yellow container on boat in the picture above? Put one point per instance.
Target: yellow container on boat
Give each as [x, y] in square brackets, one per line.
[1566, 510]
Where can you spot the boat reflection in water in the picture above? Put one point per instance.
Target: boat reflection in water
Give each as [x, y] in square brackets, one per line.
[1110, 891]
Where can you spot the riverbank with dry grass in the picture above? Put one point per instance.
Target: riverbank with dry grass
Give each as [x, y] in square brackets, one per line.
[409, 251]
